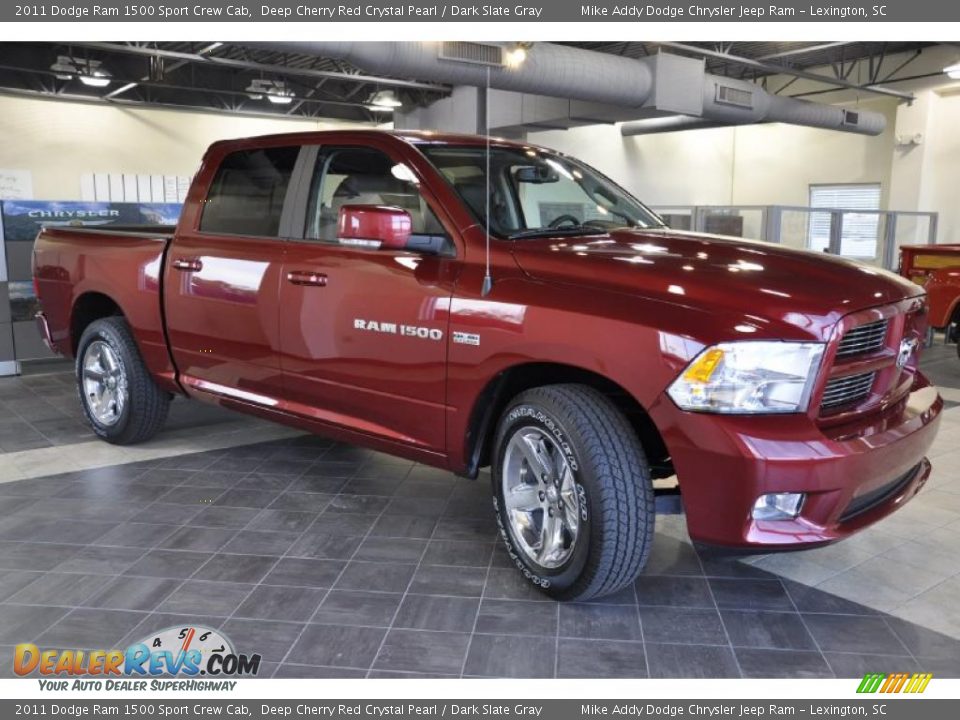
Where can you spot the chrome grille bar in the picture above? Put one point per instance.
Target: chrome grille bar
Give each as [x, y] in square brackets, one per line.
[863, 339]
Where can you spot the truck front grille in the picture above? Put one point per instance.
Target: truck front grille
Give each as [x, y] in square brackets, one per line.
[847, 390]
[863, 339]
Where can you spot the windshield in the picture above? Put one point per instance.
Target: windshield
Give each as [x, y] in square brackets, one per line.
[533, 192]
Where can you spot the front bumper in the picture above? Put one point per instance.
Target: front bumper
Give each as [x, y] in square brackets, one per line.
[852, 476]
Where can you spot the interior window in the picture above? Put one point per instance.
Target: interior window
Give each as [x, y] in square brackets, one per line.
[364, 176]
[247, 194]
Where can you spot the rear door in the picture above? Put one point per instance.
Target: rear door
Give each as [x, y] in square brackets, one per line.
[222, 279]
[364, 331]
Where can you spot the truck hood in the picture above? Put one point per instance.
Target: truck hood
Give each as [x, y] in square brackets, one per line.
[760, 283]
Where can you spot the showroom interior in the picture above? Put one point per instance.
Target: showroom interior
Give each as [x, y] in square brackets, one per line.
[332, 560]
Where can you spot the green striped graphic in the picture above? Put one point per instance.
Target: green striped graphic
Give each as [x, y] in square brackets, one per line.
[871, 682]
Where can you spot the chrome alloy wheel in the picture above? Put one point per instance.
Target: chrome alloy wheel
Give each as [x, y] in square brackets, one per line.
[540, 497]
[104, 383]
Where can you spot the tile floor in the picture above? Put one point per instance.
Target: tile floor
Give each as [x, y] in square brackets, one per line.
[333, 561]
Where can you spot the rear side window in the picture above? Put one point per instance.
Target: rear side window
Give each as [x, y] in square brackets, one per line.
[247, 194]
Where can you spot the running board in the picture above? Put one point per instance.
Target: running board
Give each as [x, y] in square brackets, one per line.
[667, 501]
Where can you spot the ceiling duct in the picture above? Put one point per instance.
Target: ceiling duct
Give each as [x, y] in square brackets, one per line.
[660, 85]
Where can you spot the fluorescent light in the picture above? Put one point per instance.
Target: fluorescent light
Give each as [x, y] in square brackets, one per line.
[280, 99]
[381, 108]
[97, 79]
[953, 71]
[515, 57]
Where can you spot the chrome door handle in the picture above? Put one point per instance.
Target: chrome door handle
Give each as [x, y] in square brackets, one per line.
[188, 264]
[307, 277]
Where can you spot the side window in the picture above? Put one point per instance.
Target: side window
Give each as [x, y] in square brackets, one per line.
[363, 176]
[247, 194]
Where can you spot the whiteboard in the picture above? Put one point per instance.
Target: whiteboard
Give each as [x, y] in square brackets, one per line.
[16, 184]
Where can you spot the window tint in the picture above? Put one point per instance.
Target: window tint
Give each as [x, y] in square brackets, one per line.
[363, 176]
[246, 197]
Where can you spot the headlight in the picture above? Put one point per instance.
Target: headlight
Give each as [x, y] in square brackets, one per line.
[749, 377]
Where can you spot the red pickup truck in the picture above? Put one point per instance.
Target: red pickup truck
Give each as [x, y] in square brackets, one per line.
[465, 305]
[937, 269]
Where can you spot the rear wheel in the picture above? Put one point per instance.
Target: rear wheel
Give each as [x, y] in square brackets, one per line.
[121, 401]
[572, 492]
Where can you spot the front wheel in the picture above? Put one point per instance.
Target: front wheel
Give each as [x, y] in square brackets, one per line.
[121, 401]
[572, 492]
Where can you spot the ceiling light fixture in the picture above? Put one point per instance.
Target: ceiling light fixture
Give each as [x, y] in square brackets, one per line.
[276, 91]
[953, 71]
[89, 72]
[386, 100]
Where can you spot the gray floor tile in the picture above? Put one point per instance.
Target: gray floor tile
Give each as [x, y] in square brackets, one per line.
[282, 521]
[600, 659]
[13, 581]
[133, 593]
[201, 539]
[271, 602]
[384, 577]
[301, 502]
[271, 639]
[462, 553]
[101, 560]
[338, 646]
[790, 664]
[432, 612]
[868, 635]
[691, 661]
[511, 656]
[600, 622]
[137, 535]
[316, 544]
[923, 643]
[200, 597]
[856, 665]
[223, 517]
[401, 550]
[503, 584]
[90, 629]
[246, 498]
[469, 529]
[750, 594]
[342, 523]
[404, 526]
[261, 542]
[670, 556]
[694, 626]
[60, 589]
[811, 600]
[34, 556]
[770, 630]
[357, 607]
[421, 651]
[310, 672]
[248, 569]
[517, 617]
[168, 564]
[26, 623]
[303, 572]
[357, 504]
[436, 580]
[674, 592]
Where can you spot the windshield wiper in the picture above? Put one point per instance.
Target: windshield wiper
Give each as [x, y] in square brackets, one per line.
[572, 230]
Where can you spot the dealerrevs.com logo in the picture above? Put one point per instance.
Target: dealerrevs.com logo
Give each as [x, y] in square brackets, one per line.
[179, 652]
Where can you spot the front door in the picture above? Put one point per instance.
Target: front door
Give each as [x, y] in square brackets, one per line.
[222, 281]
[364, 331]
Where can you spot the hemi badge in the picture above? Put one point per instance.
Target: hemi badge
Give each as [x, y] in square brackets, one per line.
[465, 338]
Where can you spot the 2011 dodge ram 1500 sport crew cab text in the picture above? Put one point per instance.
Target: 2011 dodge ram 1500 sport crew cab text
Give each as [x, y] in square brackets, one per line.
[338, 281]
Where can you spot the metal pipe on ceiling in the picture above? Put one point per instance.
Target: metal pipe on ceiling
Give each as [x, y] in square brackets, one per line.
[584, 75]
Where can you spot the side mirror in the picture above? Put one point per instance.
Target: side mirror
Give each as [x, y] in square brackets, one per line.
[374, 226]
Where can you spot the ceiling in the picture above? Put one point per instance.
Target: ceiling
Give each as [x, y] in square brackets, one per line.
[219, 76]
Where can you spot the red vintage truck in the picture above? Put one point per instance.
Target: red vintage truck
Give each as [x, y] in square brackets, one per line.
[381, 289]
[937, 269]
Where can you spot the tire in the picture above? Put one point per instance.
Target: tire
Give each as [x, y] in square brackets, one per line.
[121, 401]
[605, 500]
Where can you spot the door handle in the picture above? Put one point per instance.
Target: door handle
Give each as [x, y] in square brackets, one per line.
[307, 277]
[188, 264]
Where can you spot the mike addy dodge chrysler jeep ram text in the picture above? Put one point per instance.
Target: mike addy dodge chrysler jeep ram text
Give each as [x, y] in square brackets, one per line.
[345, 283]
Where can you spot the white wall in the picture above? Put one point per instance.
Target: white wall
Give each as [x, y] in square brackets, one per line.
[944, 166]
[750, 165]
[58, 141]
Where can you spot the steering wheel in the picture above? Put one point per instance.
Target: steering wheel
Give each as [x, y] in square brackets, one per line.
[560, 220]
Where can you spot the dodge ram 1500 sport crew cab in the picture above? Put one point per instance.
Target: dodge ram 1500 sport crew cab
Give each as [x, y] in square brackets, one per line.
[386, 290]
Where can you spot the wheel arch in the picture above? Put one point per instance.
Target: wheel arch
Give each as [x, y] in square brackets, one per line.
[510, 382]
[88, 308]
